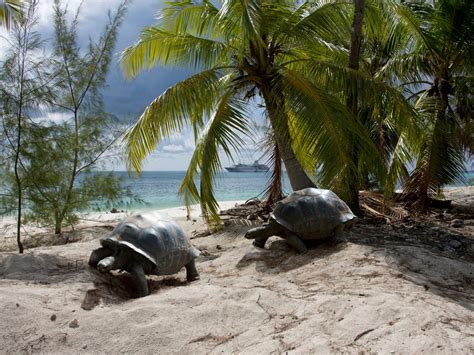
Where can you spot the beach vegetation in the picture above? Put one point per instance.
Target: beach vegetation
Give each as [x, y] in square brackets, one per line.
[293, 58]
[362, 94]
[54, 129]
[24, 85]
[274, 189]
[439, 69]
[73, 147]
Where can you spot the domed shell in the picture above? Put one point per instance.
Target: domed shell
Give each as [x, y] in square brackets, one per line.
[312, 213]
[155, 236]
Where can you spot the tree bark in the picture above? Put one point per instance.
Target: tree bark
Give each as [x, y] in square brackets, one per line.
[296, 174]
[422, 198]
[356, 41]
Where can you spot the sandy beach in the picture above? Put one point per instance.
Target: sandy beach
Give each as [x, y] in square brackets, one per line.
[395, 288]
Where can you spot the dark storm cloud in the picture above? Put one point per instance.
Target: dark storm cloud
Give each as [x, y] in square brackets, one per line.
[128, 98]
[124, 98]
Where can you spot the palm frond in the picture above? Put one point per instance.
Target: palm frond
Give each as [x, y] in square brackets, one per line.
[326, 20]
[10, 10]
[223, 131]
[186, 17]
[170, 112]
[439, 161]
[157, 46]
[401, 156]
[416, 20]
[274, 191]
[321, 127]
[247, 15]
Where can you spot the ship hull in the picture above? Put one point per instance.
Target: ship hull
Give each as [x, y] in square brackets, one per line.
[247, 170]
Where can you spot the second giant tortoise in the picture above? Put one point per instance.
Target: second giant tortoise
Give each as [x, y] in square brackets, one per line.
[146, 243]
[307, 214]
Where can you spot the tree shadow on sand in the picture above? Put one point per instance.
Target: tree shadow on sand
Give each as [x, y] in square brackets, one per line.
[40, 268]
[109, 288]
[433, 259]
[280, 257]
[117, 287]
[437, 260]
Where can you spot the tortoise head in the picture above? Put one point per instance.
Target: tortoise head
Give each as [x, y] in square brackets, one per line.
[350, 223]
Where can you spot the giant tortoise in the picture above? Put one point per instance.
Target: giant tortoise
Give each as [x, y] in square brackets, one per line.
[146, 243]
[307, 214]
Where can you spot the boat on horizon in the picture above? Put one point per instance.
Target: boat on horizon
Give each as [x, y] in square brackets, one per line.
[248, 168]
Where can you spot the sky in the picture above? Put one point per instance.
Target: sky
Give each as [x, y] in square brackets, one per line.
[127, 99]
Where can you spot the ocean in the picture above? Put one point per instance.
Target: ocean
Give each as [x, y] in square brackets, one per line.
[158, 189]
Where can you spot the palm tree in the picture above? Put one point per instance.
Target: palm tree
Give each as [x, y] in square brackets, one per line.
[440, 67]
[395, 134]
[293, 57]
[274, 190]
[9, 11]
[351, 102]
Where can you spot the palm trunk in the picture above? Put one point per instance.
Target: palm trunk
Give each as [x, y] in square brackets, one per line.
[420, 183]
[356, 40]
[274, 192]
[296, 174]
[426, 182]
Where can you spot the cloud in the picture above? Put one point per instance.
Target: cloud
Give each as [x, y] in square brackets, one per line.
[56, 117]
[178, 144]
[175, 148]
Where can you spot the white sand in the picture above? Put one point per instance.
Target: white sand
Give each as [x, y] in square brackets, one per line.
[350, 297]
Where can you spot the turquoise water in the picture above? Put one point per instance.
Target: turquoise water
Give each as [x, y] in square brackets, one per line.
[158, 189]
[468, 179]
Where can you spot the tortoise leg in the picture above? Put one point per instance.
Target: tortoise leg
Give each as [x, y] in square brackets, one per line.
[99, 254]
[191, 271]
[259, 242]
[296, 242]
[339, 231]
[140, 284]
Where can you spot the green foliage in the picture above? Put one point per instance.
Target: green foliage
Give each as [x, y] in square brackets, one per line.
[56, 159]
[10, 11]
[59, 154]
[441, 58]
[23, 84]
[50, 154]
[294, 57]
[363, 123]
[274, 190]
